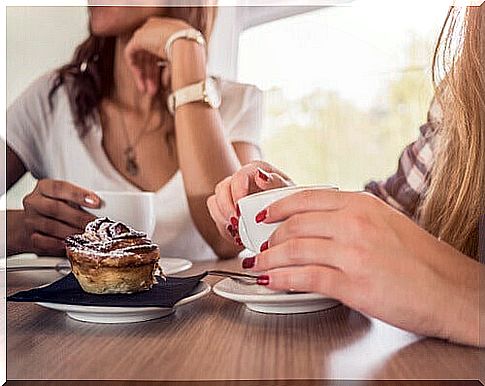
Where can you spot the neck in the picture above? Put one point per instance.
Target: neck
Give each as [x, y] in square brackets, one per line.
[125, 91]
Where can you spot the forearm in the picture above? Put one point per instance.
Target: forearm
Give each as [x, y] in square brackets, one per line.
[466, 330]
[204, 161]
[17, 238]
[205, 156]
[463, 311]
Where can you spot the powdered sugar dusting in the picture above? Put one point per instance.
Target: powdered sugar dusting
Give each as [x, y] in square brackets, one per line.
[107, 238]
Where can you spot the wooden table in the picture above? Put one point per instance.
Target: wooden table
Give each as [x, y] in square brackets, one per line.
[215, 338]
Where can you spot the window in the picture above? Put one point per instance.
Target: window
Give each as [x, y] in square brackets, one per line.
[346, 88]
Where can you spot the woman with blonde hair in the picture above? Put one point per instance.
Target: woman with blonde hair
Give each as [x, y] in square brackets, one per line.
[134, 110]
[407, 250]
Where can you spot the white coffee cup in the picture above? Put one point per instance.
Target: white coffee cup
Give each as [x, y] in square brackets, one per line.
[253, 234]
[135, 209]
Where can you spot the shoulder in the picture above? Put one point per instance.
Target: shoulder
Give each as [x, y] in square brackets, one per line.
[240, 94]
[241, 111]
[232, 88]
[429, 131]
[29, 121]
[35, 99]
[36, 114]
[240, 101]
[39, 88]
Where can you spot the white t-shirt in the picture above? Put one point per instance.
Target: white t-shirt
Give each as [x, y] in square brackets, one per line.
[47, 142]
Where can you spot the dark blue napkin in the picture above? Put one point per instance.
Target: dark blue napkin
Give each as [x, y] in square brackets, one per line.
[68, 291]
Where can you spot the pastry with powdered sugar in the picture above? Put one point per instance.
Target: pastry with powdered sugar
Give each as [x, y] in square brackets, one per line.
[110, 257]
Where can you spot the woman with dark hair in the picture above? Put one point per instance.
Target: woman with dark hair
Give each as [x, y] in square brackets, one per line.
[407, 250]
[134, 110]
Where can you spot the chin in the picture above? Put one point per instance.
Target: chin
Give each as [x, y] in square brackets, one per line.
[115, 21]
[105, 30]
[105, 21]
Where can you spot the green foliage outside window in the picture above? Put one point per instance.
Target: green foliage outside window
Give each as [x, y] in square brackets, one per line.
[323, 138]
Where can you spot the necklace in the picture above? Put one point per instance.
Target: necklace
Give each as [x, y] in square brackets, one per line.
[131, 164]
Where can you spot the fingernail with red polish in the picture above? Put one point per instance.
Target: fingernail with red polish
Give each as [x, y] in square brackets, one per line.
[264, 246]
[234, 222]
[238, 211]
[248, 262]
[262, 280]
[263, 175]
[230, 230]
[239, 242]
[261, 216]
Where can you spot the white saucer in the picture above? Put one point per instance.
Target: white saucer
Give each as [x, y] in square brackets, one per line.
[98, 314]
[173, 265]
[32, 259]
[261, 299]
[170, 265]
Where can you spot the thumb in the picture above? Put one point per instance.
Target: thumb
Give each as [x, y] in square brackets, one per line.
[267, 181]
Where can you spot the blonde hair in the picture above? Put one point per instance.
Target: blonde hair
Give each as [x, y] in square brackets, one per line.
[454, 201]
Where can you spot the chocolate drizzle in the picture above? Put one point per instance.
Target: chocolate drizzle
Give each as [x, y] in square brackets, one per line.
[106, 238]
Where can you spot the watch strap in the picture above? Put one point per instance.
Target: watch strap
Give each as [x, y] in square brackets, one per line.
[188, 94]
[189, 33]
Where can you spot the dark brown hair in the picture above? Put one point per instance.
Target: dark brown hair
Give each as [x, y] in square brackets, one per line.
[88, 77]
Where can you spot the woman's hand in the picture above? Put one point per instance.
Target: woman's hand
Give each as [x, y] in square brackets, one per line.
[52, 212]
[355, 248]
[251, 178]
[146, 49]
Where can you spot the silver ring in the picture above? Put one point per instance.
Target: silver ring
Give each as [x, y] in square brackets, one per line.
[162, 63]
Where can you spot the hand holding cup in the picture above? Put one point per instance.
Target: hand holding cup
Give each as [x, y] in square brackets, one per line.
[252, 178]
[53, 211]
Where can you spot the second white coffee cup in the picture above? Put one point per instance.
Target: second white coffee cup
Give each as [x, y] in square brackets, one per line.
[254, 234]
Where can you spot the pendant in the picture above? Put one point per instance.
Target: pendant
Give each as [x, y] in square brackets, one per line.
[131, 164]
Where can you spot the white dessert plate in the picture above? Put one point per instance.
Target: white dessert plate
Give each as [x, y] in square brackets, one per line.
[261, 299]
[112, 315]
[170, 265]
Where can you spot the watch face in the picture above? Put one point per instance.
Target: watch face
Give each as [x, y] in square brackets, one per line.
[212, 93]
